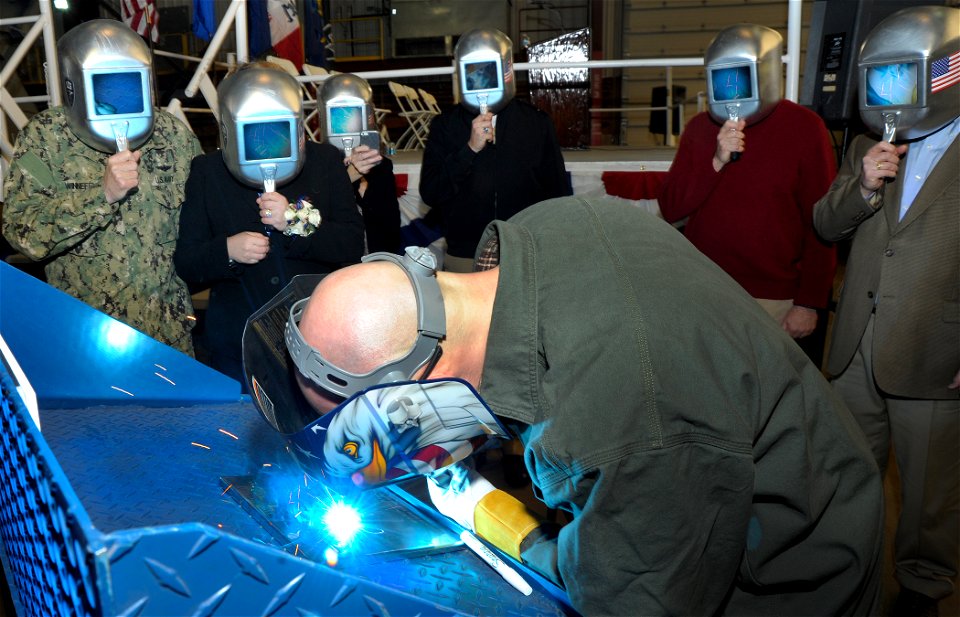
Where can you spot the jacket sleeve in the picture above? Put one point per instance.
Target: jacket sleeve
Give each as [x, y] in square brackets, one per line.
[339, 238]
[381, 210]
[447, 162]
[43, 216]
[201, 256]
[837, 214]
[691, 178]
[643, 546]
[818, 259]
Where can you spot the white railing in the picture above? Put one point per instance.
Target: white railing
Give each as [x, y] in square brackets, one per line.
[9, 105]
[236, 19]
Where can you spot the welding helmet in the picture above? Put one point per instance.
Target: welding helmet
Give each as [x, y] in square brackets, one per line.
[386, 426]
[744, 73]
[346, 110]
[107, 77]
[908, 72]
[483, 60]
[261, 125]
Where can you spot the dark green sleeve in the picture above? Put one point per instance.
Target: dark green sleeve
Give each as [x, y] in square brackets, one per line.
[54, 196]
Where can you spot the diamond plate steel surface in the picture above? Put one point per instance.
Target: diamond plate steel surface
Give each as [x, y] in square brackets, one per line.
[159, 572]
[162, 538]
[48, 540]
[144, 466]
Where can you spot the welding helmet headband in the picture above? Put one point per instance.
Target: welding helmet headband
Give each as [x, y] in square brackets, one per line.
[107, 74]
[909, 71]
[385, 426]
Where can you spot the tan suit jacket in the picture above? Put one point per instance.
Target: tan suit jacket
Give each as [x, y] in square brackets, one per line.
[909, 270]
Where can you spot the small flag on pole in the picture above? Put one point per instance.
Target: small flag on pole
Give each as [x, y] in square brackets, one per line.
[142, 17]
[275, 21]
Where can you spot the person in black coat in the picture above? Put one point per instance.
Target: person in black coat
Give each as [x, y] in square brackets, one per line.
[224, 243]
[375, 189]
[481, 167]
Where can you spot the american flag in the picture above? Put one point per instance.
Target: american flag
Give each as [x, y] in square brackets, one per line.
[141, 15]
[945, 72]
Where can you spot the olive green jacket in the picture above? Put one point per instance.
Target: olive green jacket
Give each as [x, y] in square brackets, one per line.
[709, 467]
[118, 257]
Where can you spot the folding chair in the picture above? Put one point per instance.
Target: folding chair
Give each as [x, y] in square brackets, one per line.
[413, 137]
[430, 101]
[426, 114]
[309, 99]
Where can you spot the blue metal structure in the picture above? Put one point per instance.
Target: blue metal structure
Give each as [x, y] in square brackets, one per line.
[117, 508]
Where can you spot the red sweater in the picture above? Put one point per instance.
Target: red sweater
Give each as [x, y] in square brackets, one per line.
[755, 217]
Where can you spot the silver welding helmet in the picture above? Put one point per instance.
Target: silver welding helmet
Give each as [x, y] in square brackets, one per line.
[262, 140]
[908, 72]
[744, 73]
[107, 76]
[346, 110]
[483, 60]
[381, 426]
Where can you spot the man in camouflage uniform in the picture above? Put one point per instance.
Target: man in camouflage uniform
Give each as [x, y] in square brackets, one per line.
[107, 223]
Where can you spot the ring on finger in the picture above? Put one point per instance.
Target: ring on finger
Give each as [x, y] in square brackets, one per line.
[879, 165]
[486, 129]
[268, 213]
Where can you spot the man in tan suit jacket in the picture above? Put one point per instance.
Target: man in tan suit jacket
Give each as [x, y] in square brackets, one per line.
[895, 352]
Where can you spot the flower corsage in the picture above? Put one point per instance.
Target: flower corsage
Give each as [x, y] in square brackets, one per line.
[302, 218]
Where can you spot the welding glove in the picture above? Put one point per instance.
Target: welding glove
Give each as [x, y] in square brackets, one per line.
[462, 494]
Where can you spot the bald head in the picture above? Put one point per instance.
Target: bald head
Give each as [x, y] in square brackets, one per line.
[362, 317]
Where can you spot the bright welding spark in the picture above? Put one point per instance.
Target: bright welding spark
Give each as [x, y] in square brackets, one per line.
[121, 390]
[342, 522]
[331, 556]
[165, 378]
[228, 433]
[199, 445]
[229, 486]
[160, 366]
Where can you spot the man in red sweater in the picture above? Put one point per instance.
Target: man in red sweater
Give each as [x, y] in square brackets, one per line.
[747, 175]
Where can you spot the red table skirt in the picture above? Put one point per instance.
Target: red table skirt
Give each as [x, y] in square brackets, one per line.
[633, 184]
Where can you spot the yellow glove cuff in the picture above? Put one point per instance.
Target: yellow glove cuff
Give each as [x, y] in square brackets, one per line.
[502, 520]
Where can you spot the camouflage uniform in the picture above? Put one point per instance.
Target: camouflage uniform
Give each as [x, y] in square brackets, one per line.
[116, 257]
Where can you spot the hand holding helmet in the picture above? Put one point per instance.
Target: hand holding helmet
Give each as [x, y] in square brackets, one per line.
[729, 141]
[882, 161]
[121, 175]
[273, 206]
[482, 132]
[456, 490]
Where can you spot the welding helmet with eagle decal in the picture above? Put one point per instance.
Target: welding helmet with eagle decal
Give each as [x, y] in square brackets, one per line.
[385, 426]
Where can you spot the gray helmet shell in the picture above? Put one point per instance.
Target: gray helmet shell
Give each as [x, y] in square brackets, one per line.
[910, 41]
[261, 125]
[346, 105]
[106, 71]
[752, 55]
[483, 61]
